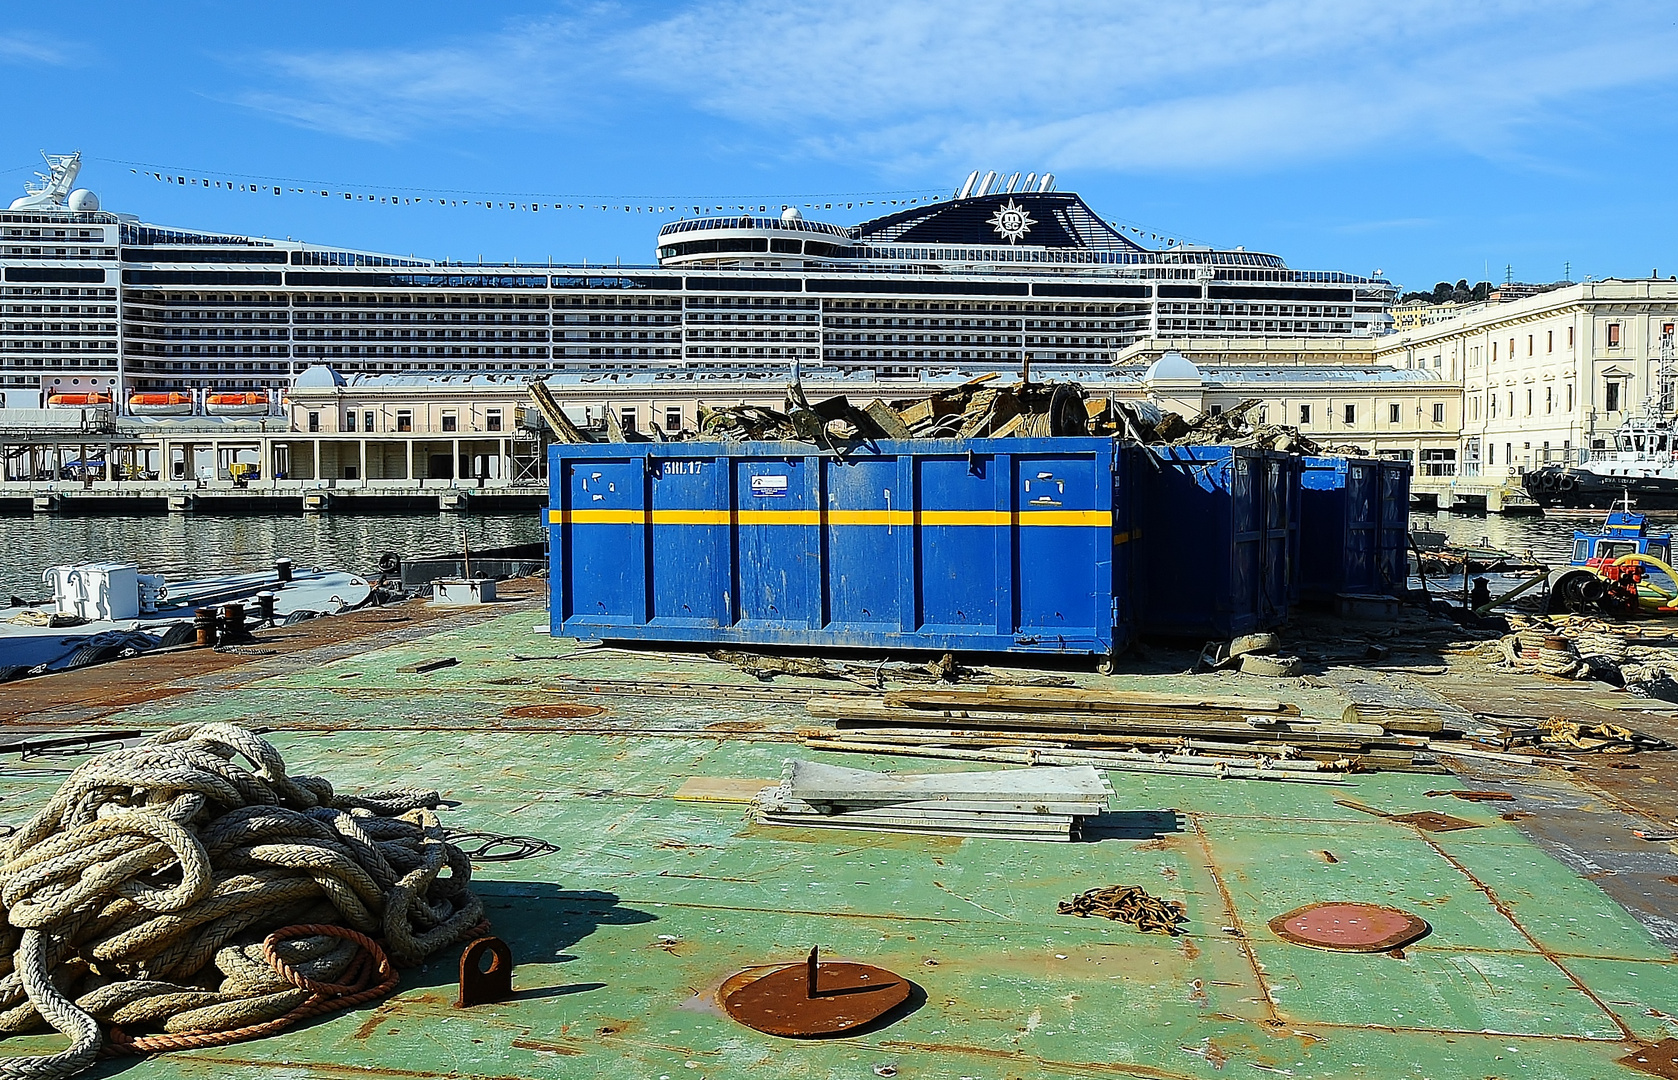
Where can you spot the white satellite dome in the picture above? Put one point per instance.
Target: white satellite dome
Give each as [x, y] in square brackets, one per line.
[83, 201]
[1172, 365]
[791, 214]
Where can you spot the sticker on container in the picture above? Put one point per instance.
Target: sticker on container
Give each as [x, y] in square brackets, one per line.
[771, 486]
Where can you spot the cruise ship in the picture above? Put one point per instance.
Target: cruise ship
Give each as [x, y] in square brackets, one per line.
[1007, 271]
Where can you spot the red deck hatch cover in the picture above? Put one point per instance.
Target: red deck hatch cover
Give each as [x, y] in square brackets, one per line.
[1349, 927]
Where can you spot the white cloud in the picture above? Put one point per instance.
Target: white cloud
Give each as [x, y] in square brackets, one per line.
[1213, 84]
[32, 49]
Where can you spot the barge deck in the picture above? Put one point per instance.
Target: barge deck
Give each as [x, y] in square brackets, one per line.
[622, 937]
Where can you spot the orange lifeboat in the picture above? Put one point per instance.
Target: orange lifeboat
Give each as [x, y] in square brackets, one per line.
[236, 404]
[71, 401]
[172, 404]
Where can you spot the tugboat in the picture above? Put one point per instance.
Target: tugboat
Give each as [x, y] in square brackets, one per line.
[1642, 467]
[1611, 566]
[1643, 464]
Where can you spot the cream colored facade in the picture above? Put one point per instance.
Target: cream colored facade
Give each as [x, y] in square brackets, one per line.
[1550, 377]
[1413, 415]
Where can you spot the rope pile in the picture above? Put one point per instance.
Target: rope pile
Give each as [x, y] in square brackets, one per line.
[169, 887]
[1128, 903]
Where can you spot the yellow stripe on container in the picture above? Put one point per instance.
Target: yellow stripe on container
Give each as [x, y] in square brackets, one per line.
[875, 518]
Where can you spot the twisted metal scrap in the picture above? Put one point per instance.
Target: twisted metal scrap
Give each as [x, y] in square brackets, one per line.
[162, 886]
[1128, 903]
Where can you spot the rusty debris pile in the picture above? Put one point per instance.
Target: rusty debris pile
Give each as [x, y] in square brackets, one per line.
[1011, 804]
[1235, 426]
[976, 409]
[980, 408]
[1128, 903]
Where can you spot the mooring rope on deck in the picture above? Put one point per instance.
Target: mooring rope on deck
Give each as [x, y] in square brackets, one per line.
[167, 886]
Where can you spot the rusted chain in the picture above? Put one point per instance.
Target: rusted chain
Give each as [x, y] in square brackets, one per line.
[1131, 904]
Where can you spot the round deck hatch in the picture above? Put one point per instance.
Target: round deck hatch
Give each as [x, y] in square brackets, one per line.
[813, 998]
[1349, 927]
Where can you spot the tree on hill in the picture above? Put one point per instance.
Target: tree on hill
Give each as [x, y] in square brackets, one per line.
[1461, 293]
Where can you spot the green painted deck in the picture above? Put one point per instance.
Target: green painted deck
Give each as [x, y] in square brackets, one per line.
[622, 937]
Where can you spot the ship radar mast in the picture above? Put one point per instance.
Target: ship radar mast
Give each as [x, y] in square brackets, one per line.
[51, 191]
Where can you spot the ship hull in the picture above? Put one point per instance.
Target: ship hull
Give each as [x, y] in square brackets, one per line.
[1579, 489]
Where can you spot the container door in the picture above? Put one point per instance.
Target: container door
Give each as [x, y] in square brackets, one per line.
[869, 525]
[778, 545]
[1363, 523]
[603, 540]
[1246, 494]
[1064, 555]
[690, 542]
[962, 575]
[1394, 565]
[1280, 509]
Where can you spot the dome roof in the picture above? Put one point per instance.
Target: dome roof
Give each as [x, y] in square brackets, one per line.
[1173, 365]
[83, 201]
[318, 377]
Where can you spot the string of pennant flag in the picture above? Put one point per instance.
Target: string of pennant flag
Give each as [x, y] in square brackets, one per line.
[534, 203]
[417, 197]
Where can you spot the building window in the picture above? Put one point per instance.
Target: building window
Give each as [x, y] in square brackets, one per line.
[1393, 413]
[404, 419]
[1570, 337]
[451, 421]
[1613, 335]
[492, 419]
[1549, 397]
[1549, 341]
[367, 420]
[314, 421]
[1494, 352]
[349, 420]
[1439, 412]
[1611, 395]
[1305, 414]
[1529, 401]
[1351, 414]
[673, 418]
[627, 419]
[1569, 397]
[1529, 344]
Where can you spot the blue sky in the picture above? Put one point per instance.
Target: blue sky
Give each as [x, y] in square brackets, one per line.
[1433, 140]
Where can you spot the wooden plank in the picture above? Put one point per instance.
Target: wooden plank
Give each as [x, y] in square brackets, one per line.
[1062, 699]
[1302, 733]
[887, 419]
[721, 789]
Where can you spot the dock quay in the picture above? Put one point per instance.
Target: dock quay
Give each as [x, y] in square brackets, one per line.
[1494, 495]
[1551, 923]
[267, 496]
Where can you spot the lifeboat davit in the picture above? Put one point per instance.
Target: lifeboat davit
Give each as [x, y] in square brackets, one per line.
[236, 404]
[160, 404]
[73, 401]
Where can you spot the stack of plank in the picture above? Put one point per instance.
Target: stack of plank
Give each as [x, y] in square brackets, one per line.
[1253, 738]
[1012, 804]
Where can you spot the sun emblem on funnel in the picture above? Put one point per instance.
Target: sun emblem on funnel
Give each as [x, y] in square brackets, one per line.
[1011, 221]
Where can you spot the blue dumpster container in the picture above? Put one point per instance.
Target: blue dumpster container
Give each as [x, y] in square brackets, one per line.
[1392, 543]
[997, 545]
[1339, 525]
[1218, 539]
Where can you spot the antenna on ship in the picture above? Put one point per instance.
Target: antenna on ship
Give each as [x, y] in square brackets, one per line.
[1664, 372]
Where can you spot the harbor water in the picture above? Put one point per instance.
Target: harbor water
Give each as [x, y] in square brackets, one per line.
[182, 546]
[187, 545]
